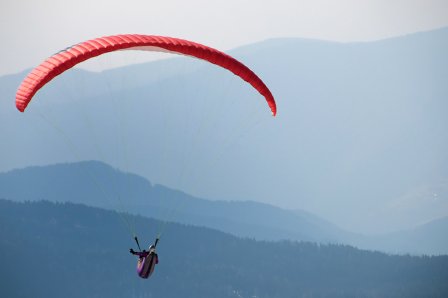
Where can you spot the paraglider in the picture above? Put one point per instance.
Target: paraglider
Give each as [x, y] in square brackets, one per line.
[71, 56]
[147, 260]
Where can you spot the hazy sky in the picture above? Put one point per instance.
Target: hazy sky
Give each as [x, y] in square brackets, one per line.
[31, 30]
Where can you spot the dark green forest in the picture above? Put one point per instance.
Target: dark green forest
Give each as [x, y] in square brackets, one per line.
[68, 250]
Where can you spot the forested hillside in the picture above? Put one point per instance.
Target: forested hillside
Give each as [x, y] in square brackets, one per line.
[68, 250]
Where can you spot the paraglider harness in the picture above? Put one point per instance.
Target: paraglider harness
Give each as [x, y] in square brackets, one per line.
[147, 259]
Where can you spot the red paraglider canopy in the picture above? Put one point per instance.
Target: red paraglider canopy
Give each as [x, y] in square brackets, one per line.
[66, 59]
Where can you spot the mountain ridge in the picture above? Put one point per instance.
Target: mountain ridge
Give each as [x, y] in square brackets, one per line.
[97, 184]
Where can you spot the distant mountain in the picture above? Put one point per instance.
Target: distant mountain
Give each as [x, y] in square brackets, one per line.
[429, 238]
[53, 250]
[97, 184]
[360, 138]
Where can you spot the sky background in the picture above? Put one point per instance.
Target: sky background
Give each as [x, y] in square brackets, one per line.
[33, 30]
